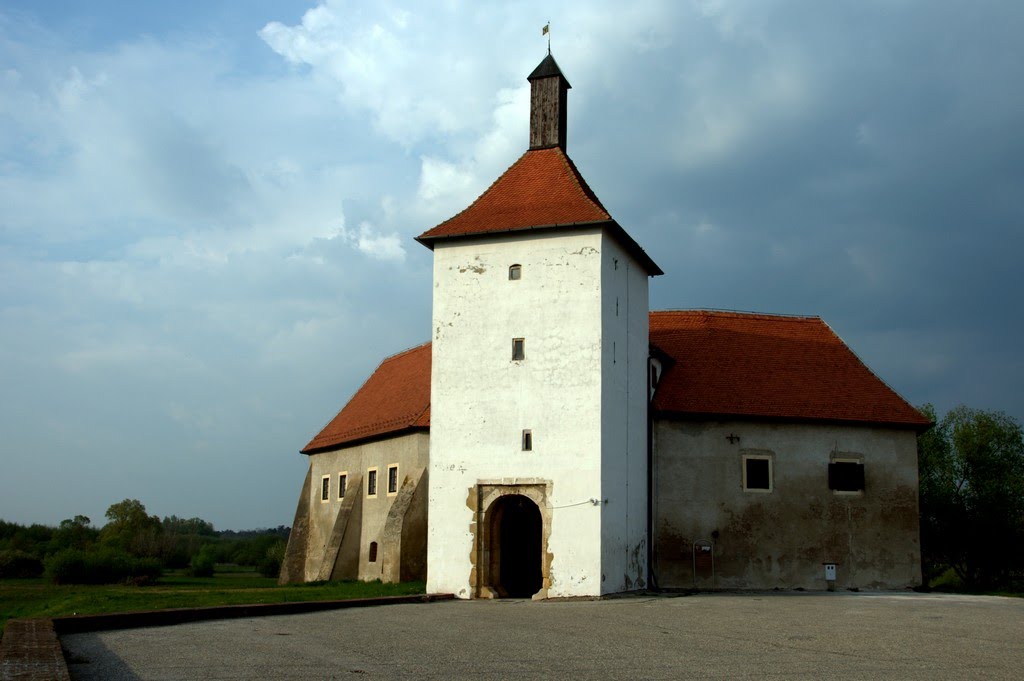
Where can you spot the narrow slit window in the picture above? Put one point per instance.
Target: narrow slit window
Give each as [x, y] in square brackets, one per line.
[325, 488]
[527, 441]
[846, 476]
[515, 272]
[518, 349]
[342, 483]
[393, 479]
[371, 482]
[373, 552]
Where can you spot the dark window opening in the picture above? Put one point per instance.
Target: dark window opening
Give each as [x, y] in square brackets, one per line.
[325, 489]
[758, 474]
[527, 441]
[518, 349]
[342, 482]
[392, 479]
[371, 483]
[846, 476]
[515, 273]
[373, 552]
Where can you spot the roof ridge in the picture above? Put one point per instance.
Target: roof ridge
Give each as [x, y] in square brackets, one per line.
[871, 371]
[483, 193]
[581, 183]
[746, 314]
[405, 352]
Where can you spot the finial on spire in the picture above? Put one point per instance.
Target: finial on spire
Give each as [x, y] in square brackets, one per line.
[547, 31]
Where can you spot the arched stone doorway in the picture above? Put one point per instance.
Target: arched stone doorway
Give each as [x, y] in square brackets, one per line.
[515, 531]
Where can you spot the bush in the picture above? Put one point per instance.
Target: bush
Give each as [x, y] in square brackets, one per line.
[203, 562]
[270, 565]
[16, 564]
[102, 566]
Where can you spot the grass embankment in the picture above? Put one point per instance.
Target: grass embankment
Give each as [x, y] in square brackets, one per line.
[40, 598]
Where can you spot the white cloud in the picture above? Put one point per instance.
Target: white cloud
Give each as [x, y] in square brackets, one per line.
[382, 247]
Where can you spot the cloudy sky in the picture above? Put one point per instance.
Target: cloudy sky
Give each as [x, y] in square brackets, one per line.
[207, 208]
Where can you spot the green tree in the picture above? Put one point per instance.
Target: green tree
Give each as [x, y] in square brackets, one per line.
[74, 533]
[132, 529]
[971, 467]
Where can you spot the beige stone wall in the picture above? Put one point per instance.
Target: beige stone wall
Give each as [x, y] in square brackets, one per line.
[781, 538]
[367, 516]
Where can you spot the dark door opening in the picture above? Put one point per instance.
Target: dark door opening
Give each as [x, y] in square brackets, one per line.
[515, 547]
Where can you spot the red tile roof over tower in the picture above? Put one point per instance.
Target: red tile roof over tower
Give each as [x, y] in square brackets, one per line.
[395, 398]
[542, 189]
[767, 366]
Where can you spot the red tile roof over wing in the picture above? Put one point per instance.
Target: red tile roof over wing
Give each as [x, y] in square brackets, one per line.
[766, 366]
[395, 398]
[542, 189]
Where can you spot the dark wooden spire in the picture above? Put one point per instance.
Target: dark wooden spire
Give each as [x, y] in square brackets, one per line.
[548, 94]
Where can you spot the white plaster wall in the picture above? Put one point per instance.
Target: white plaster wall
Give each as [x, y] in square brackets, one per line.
[481, 400]
[409, 451]
[624, 414]
[780, 539]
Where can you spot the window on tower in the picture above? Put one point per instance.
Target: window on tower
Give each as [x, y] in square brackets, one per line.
[515, 272]
[518, 349]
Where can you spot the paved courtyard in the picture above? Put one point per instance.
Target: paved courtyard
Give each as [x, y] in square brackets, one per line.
[785, 636]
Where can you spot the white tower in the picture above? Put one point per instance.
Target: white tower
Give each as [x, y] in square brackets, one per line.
[538, 430]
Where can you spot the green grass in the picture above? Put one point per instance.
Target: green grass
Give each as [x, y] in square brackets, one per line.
[40, 598]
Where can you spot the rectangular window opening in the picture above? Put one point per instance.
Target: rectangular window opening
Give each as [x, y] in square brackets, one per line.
[846, 476]
[757, 473]
[342, 483]
[371, 482]
[527, 441]
[518, 349]
[393, 479]
[515, 272]
[325, 488]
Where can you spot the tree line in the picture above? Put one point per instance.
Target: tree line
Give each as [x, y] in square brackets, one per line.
[133, 547]
[971, 477]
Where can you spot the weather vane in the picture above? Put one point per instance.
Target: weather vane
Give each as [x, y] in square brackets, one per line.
[547, 31]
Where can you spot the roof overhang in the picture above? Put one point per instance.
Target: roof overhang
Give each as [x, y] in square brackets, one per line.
[613, 228]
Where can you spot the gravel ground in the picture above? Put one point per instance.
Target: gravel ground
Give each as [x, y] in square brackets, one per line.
[789, 635]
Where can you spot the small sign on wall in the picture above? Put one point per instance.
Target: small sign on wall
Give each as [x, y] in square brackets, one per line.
[830, 572]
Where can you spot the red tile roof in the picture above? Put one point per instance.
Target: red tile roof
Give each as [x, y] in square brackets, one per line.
[542, 189]
[395, 398]
[721, 364]
[767, 366]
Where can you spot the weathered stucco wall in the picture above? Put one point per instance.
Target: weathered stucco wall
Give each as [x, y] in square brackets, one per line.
[782, 538]
[368, 517]
[482, 400]
[624, 354]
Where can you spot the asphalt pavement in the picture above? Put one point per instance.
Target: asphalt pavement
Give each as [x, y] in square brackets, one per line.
[707, 636]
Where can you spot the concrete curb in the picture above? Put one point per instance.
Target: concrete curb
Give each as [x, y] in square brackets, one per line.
[161, 618]
[31, 650]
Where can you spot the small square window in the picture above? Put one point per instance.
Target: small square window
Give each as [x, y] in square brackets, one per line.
[371, 482]
[393, 479]
[325, 488]
[846, 476]
[518, 349]
[342, 483]
[515, 272]
[527, 441]
[757, 473]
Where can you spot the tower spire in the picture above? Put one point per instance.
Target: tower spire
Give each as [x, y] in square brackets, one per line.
[548, 105]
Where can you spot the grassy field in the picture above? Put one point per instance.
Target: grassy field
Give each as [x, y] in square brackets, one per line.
[39, 598]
